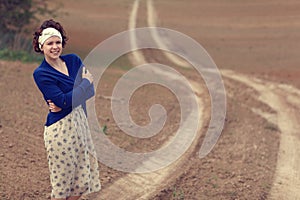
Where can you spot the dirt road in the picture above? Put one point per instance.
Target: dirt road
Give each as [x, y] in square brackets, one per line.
[283, 99]
[257, 155]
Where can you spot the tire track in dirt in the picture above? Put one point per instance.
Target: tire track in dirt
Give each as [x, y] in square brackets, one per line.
[143, 186]
[162, 39]
[281, 98]
[284, 99]
[137, 56]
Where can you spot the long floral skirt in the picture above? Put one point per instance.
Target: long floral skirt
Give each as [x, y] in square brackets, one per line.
[71, 156]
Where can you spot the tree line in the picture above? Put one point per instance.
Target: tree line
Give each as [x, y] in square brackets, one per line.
[18, 19]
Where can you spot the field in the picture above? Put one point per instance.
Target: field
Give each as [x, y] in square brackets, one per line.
[255, 44]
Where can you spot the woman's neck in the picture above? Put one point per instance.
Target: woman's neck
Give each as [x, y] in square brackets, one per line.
[54, 62]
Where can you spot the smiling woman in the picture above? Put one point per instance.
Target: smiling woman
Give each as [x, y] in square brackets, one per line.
[65, 84]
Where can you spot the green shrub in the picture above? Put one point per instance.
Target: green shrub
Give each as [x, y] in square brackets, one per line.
[19, 18]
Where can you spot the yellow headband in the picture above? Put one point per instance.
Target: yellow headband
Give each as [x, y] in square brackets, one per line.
[47, 33]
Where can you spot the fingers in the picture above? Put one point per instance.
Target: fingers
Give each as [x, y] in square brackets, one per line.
[50, 104]
[86, 74]
[52, 107]
[55, 109]
[84, 70]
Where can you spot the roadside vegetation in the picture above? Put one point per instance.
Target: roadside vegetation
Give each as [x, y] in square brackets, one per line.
[18, 20]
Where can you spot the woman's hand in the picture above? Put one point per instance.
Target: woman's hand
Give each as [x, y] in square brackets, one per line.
[53, 107]
[86, 74]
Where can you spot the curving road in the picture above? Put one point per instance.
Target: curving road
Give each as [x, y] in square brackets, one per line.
[284, 99]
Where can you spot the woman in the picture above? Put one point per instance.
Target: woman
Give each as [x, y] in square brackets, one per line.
[65, 84]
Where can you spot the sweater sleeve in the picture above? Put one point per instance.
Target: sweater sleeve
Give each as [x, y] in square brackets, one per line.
[90, 92]
[51, 91]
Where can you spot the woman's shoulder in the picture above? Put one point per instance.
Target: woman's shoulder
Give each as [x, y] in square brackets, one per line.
[41, 73]
[40, 69]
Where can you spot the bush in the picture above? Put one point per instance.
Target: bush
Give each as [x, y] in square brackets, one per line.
[19, 18]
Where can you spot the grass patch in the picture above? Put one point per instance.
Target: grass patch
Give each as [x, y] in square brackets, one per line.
[19, 55]
[104, 129]
[177, 194]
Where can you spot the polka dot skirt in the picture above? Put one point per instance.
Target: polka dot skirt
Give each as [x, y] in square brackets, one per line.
[71, 156]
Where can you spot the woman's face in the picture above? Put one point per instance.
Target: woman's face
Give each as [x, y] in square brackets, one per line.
[52, 48]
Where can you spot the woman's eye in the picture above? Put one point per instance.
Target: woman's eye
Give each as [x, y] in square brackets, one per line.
[59, 42]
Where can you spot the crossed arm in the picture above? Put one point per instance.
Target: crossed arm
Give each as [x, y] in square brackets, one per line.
[85, 74]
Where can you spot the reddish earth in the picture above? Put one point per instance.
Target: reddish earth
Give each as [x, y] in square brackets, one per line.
[255, 44]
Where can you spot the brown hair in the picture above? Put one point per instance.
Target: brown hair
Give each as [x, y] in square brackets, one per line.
[47, 24]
